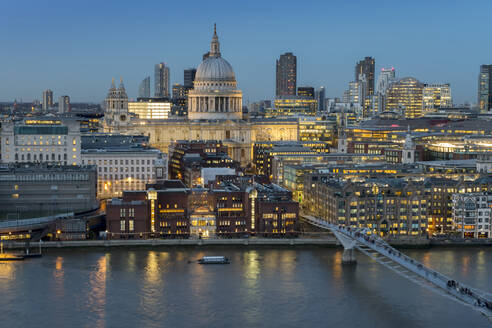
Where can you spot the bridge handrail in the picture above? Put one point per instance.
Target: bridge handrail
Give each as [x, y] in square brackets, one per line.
[412, 264]
[32, 221]
[486, 297]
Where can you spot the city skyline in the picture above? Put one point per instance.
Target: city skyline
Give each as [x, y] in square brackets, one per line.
[326, 56]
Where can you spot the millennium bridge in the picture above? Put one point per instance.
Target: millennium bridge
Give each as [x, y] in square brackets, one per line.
[381, 252]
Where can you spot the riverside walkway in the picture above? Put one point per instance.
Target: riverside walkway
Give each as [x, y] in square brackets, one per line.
[380, 251]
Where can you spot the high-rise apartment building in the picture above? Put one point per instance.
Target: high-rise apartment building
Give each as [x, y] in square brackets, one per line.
[485, 88]
[144, 88]
[64, 104]
[405, 95]
[162, 80]
[366, 67]
[189, 77]
[286, 74]
[436, 96]
[47, 99]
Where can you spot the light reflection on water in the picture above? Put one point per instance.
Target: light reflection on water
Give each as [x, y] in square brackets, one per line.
[262, 287]
[96, 293]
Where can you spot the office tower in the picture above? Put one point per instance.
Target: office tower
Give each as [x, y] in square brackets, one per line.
[405, 95]
[189, 77]
[144, 88]
[386, 76]
[435, 96]
[286, 75]
[305, 92]
[485, 89]
[47, 99]
[162, 80]
[366, 67]
[321, 96]
[63, 104]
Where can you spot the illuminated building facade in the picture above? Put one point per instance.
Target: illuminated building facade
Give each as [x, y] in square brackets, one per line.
[387, 206]
[125, 168]
[485, 89]
[305, 92]
[227, 209]
[293, 106]
[286, 75]
[41, 140]
[215, 95]
[435, 96]
[472, 214]
[151, 108]
[405, 95]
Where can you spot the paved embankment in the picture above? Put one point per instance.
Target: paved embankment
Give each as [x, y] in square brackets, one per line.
[328, 241]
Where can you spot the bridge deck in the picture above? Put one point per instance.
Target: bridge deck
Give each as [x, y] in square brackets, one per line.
[377, 249]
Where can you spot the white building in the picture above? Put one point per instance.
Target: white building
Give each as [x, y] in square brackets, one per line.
[129, 168]
[41, 140]
[472, 214]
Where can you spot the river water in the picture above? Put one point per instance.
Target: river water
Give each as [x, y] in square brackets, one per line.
[262, 287]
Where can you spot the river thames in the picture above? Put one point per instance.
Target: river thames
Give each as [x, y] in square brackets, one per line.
[262, 287]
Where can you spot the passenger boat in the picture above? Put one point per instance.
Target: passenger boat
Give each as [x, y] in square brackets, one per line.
[214, 260]
[10, 257]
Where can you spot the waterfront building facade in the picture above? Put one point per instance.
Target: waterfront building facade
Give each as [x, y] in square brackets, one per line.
[42, 189]
[472, 214]
[229, 208]
[388, 207]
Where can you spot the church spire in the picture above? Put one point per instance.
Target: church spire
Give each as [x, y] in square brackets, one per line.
[215, 45]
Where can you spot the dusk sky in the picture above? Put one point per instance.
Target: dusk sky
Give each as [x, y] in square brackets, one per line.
[76, 47]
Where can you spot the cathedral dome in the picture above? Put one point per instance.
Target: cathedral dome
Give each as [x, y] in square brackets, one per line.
[215, 69]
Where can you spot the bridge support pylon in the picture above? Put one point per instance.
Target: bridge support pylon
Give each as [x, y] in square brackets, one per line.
[348, 256]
